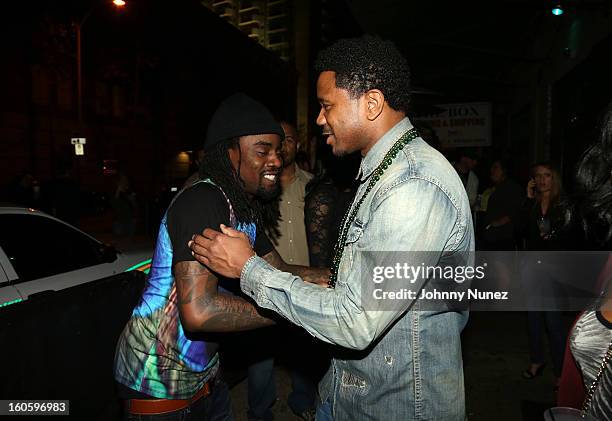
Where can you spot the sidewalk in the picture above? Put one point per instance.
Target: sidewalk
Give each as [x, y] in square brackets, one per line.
[494, 352]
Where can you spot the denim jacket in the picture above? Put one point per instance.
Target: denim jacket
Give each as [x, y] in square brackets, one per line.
[403, 364]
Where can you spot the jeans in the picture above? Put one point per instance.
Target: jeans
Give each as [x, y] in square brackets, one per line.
[261, 389]
[308, 360]
[259, 357]
[305, 358]
[324, 412]
[302, 397]
[215, 407]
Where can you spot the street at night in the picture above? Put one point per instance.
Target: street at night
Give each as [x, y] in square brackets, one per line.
[313, 210]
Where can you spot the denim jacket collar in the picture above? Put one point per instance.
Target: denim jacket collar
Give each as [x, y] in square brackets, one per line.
[376, 154]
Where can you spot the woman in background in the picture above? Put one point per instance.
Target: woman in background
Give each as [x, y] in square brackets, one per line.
[591, 338]
[543, 223]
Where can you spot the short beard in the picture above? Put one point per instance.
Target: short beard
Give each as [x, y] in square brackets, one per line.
[268, 195]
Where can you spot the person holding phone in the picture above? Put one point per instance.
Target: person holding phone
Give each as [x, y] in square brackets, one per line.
[543, 224]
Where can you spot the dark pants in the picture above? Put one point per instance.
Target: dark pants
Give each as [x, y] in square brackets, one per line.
[537, 321]
[305, 358]
[214, 407]
[544, 292]
[261, 388]
[308, 359]
[303, 396]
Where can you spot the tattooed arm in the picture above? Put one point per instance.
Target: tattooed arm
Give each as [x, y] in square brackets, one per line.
[228, 252]
[203, 308]
[319, 276]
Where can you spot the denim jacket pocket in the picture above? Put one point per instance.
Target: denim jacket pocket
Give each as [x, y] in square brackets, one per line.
[351, 384]
[352, 238]
[355, 232]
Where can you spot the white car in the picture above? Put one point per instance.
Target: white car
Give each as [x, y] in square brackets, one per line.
[40, 253]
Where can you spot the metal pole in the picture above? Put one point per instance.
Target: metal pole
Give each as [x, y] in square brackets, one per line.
[79, 75]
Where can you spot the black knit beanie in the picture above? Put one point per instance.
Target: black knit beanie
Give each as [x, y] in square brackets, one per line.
[240, 115]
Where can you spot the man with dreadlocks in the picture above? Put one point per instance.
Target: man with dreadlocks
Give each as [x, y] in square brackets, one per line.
[403, 360]
[162, 366]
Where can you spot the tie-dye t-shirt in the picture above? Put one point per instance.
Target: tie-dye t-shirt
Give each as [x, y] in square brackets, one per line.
[154, 355]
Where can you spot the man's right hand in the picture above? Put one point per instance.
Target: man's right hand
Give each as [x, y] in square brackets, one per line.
[223, 252]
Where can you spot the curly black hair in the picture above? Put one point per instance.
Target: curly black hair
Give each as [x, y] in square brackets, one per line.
[593, 192]
[365, 63]
[217, 166]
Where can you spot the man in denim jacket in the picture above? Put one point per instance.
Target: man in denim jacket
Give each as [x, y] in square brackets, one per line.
[397, 361]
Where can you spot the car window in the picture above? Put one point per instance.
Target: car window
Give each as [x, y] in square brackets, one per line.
[38, 246]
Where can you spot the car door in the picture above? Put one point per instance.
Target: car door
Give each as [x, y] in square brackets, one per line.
[8, 293]
[48, 255]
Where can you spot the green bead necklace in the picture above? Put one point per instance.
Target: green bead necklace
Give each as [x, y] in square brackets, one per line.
[351, 214]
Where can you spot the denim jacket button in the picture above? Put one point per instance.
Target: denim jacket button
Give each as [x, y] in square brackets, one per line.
[389, 359]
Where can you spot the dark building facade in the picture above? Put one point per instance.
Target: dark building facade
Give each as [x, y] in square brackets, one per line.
[152, 74]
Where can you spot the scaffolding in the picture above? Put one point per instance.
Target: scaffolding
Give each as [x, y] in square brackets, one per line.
[268, 22]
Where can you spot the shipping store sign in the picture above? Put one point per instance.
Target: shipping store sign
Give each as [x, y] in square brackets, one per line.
[459, 125]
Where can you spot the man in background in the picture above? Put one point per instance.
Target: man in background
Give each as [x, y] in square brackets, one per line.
[291, 244]
[465, 165]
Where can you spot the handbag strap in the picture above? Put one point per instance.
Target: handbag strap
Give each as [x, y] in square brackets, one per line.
[586, 405]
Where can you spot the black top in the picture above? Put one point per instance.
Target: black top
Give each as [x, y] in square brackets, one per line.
[202, 206]
[326, 204]
[506, 200]
[198, 207]
[543, 232]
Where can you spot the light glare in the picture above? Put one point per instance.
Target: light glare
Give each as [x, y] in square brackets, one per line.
[557, 10]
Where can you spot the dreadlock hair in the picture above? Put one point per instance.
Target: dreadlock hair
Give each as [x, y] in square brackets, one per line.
[365, 63]
[217, 166]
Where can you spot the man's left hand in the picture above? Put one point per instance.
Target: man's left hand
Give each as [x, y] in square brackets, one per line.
[224, 252]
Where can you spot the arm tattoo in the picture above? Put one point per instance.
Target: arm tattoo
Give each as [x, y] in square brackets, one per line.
[230, 313]
[312, 275]
[204, 309]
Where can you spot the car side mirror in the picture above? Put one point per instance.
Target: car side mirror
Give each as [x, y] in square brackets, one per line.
[109, 253]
